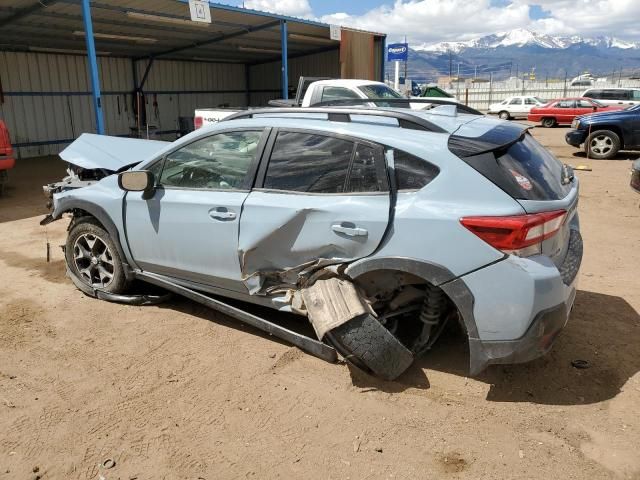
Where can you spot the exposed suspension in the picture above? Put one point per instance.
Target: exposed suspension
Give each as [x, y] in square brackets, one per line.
[432, 316]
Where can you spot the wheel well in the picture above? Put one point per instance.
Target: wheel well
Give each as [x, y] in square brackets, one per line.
[613, 128]
[80, 215]
[392, 291]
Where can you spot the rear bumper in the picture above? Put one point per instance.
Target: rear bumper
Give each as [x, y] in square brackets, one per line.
[575, 137]
[520, 306]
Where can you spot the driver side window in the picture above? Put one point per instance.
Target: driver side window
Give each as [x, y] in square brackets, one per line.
[218, 162]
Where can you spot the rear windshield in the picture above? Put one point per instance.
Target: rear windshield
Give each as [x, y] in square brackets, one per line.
[524, 169]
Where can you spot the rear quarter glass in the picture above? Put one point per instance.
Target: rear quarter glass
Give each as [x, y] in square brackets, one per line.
[524, 169]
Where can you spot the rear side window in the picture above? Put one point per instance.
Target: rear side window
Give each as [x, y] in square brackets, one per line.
[615, 94]
[363, 176]
[337, 93]
[301, 162]
[412, 173]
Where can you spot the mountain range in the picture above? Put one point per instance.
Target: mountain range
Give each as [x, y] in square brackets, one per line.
[521, 51]
[522, 37]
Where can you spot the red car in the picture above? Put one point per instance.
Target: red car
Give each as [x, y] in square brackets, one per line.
[7, 161]
[564, 110]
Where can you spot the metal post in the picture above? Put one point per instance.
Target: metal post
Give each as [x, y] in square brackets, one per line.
[285, 61]
[383, 47]
[93, 66]
[396, 78]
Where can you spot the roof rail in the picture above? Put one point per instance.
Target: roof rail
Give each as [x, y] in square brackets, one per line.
[405, 119]
[399, 103]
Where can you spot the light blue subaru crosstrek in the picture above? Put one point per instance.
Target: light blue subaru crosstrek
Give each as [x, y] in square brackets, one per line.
[378, 225]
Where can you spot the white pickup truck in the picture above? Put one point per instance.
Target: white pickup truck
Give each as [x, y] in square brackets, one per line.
[316, 91]
[311, 91]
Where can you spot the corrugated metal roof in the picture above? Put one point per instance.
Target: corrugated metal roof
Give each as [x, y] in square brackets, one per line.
[142, 28]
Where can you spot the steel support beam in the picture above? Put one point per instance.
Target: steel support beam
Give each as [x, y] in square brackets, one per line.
[93, 66]
[146, 73]
[219, 38]
[24, 12]
[285, 59]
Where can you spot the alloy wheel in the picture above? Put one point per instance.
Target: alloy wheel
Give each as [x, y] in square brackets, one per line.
[93, 260]
[602, 144]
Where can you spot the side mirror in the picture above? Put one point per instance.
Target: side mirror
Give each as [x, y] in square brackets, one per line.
[595, 108]
[137, 181]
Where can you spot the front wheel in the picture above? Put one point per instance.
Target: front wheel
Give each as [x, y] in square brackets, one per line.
[548, 122]
[92, 257]
[504, 115]
[602, 144]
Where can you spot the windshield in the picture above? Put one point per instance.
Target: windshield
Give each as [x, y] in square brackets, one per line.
[597, 104]
[378, 91]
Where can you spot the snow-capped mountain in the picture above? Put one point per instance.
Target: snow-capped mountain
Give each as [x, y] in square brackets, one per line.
[522, 37]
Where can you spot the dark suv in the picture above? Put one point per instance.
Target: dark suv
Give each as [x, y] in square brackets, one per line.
[604, 134]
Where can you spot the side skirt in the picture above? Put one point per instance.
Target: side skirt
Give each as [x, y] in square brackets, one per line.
[307, 344]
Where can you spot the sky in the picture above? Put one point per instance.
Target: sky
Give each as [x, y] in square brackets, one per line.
[431, 21]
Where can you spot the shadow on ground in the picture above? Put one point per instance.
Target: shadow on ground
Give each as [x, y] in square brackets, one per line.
[622, 155]
[603, 329]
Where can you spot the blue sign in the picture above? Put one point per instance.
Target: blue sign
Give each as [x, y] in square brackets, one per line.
[398, 51]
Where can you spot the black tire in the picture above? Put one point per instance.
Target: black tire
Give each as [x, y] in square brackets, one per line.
[504, 115]
[602, 144]
[109, 258]
[367, 344]
[549, 122]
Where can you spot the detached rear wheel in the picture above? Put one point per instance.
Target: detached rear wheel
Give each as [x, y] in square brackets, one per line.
[602, 144]
[92, 257]
[368, 345]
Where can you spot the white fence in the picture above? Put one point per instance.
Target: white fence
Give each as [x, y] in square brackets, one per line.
[480, 96]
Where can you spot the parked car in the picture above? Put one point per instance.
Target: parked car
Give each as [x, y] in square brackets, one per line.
[635, 176]
[564, 110]
[7, 162]
[515, 107]
[614, 96]
[380, 226]
[604, 134]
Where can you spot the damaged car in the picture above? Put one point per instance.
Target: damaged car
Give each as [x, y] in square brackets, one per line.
[378, 226]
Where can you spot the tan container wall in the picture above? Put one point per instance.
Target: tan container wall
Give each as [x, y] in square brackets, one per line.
[357, 55]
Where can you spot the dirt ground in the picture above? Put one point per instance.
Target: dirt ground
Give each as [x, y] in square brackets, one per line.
[178, 391]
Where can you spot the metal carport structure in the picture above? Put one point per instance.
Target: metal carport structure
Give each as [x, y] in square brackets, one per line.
[261, 53]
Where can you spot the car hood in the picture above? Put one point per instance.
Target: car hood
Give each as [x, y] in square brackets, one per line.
[608, 114]
[92, 151]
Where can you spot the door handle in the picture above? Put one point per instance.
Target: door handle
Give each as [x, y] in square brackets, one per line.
[222, 213]
[351, 231]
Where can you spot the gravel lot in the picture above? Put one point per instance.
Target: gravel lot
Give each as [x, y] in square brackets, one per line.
[178, 391]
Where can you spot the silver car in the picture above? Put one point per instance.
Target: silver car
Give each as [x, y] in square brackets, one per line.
[378, 226]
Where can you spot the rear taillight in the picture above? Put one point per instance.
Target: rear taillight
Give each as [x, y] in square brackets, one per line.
[518, 234]
[197, 122]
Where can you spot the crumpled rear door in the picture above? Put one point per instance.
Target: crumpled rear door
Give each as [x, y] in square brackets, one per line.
[284, 232]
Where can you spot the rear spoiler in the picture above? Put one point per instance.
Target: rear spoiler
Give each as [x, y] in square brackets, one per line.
[500, 137]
